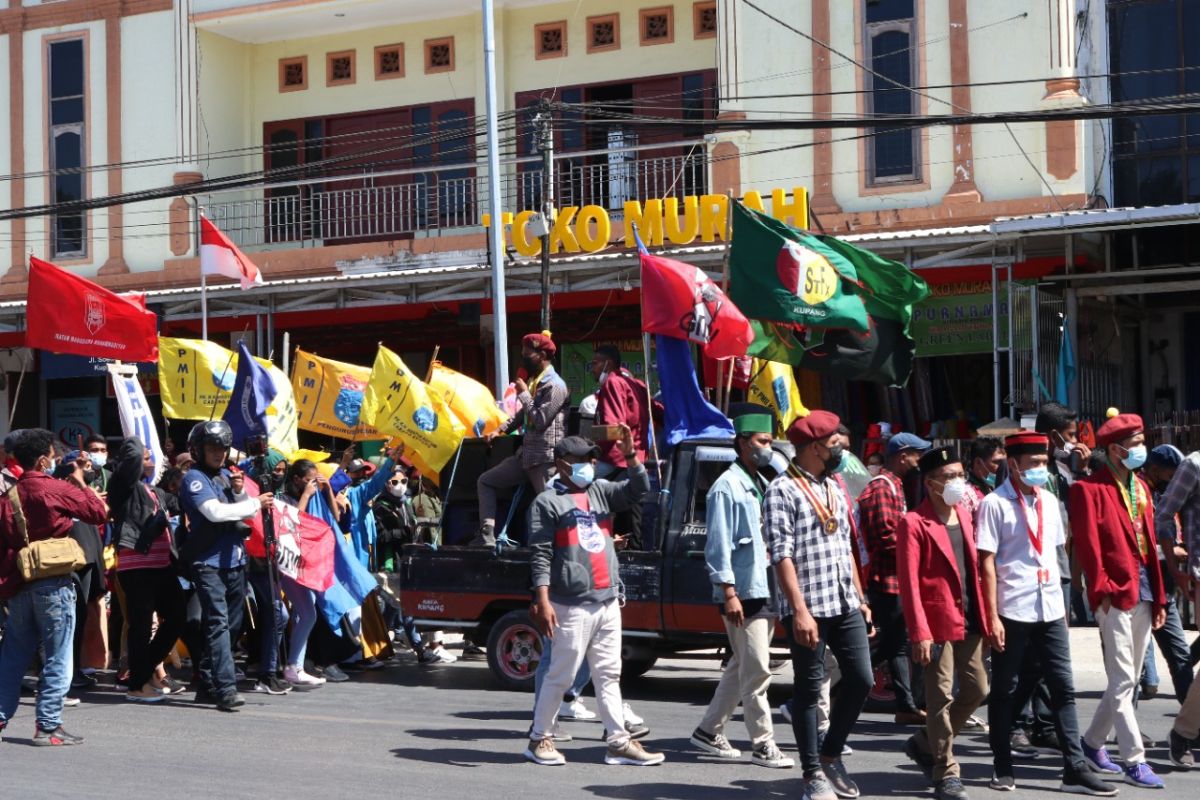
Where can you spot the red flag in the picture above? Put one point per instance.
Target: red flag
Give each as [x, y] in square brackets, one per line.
[741, 371]
[304, 543]
[219, 256]
[65, 313]
[680, 301]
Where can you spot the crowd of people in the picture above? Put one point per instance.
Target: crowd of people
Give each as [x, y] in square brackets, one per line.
[956, 574]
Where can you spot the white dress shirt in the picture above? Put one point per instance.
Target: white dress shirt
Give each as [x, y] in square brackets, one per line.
[1002, 527]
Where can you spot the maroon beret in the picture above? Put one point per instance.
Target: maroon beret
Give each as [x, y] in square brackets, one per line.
[817, 425]
[1026, 442]
[1119, 428]
[540, 341]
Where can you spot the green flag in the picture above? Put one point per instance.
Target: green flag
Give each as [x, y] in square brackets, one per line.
[782, 274]
[776, 343]
[884, 354]
[888, 288]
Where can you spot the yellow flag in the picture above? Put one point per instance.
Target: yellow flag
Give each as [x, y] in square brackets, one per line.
[470, 400]
[315, 456]
[774, 385]
[329, 396]
[195, 377]
[400, 404]
[281, 416]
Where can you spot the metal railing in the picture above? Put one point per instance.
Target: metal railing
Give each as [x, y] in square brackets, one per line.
[325, 211]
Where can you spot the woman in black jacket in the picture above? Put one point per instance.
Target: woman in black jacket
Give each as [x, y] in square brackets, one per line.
[145, 549]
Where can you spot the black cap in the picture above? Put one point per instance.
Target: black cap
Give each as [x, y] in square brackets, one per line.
[356, 465]
[576, 447]
[937, 458]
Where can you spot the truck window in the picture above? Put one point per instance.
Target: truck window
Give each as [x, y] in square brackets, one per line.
[711, 462]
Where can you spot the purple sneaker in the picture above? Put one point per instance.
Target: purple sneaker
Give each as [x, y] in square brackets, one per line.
[1098, 760]
[1141, 775]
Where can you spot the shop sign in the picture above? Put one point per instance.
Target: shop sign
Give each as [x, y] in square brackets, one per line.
[65, 365]
[956, 319]
[576, 364]
[74, 417]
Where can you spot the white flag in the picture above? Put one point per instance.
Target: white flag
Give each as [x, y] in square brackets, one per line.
[136, 419]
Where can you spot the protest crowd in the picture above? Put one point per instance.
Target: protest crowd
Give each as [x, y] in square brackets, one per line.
[237, 561]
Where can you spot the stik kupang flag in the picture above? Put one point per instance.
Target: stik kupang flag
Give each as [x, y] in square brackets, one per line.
[67, 314]
[680, 301]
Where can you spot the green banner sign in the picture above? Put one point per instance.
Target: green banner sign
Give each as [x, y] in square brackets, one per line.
[576, 365]
[956, 319]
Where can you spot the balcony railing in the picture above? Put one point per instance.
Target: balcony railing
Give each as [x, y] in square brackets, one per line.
[344, 210]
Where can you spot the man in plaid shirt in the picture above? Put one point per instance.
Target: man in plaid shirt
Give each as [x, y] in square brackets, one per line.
[807, 523]
[881, 507]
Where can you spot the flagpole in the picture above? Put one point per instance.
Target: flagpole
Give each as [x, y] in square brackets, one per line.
[496, 229]
[203, 279]
[650, 409]
[17, 394]
[724, 388]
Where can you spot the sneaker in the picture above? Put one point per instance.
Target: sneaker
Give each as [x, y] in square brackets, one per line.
[910, 718]
[231, 702]
[575, 710]
[55, 737]
[1140, 774]
[1098, 760]
[334, 674]
[1002, 783]
[1181, 751]
[204, 696]
[171, 686]
[768, 754]
[1020, 745]
[544, 752]
[835, 773]
[631, 716]
[298, 677]
[634, 731]
[922, 759]
[975, 725]
[632, 754]
[1047, 742]
[436, 655]
[1149, 691]
[70, 702]
[714, 744]
[785, 711]
[143, 695]
[818, 788]
[950, 789]
[1085, 782]
[272, 685]
[81, 681]
[557, 734]
[371, 664]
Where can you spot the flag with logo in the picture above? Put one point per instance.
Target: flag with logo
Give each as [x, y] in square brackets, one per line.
[136, 419]
[65, 313]
[253, 391]
[773, 385]
[470, 400]
[400, 404]
[679, 300]
[329, 396]
[220, 256]
[782, 274]
[195, 377]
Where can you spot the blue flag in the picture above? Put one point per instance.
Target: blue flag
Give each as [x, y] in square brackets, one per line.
[1066, 368]
[688, 414]
[352, 582]
[253, 391]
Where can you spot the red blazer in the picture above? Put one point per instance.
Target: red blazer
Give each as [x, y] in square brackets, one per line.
[930, 586]
[1106, 545]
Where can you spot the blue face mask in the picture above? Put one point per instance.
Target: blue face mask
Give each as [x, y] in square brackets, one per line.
[990, 480]
[1135, 457]
[1036, 476]
[583, 474]
[98, 459]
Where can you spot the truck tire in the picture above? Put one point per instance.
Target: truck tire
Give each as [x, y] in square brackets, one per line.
[637, 667]
[514, 648]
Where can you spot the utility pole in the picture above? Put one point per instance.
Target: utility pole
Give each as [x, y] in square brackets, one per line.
[496, 230]
[545, 128]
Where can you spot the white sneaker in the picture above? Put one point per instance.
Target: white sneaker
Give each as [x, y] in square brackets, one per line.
[298, 677]
[631, 718]
[575, 710]
[438, 655]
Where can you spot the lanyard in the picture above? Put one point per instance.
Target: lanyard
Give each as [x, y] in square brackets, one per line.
[824, 512]
[1035, 540]
[1134, 504]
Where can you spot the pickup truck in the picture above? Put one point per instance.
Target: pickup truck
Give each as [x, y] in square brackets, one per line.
[668, 604]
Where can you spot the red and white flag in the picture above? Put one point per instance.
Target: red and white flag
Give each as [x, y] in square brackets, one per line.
[219, 256]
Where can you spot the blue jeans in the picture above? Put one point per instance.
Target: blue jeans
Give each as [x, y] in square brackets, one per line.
[581, 678]
[272, 625]
[304, 617]
[222, 594]
[41, 614]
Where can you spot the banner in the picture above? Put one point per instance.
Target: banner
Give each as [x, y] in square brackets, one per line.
[136, 419]
[195, 377]
[399, 404]
[956, 319]
[329, 396]
[471, 401]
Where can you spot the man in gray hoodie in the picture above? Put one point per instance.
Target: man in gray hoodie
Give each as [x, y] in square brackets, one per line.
[575, 584]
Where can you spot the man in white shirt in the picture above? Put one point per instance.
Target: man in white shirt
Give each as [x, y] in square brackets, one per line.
[1018, 530]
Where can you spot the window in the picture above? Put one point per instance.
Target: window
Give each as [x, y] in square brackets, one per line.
[604, 33]
[439, 55]
[68, 236]
[293, 74]
[389, 61]
[704, 19]
[890, 51]
[550, 40]
[656, 25]
[339, 68]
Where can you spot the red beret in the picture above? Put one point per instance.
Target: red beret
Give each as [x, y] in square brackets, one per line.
[1119, 428]
[540, 341]
[817, 425]
[1025, 442]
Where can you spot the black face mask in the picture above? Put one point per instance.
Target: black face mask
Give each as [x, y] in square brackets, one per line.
[833, 462]
[532, 365]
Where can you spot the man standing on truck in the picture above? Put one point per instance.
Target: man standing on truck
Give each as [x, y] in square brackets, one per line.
[739, 568]
[545, 402]
[806, 518]
[575, 579]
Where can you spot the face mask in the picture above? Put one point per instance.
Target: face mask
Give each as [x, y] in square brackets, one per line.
[1036, 476]
[1135, 457]
[837, 459]
[582, 475]
[762, 457]
[98, 459]
[398, 491]
[779, 463]
[953, 491]
[603, 377]
[874, 469]
[990, 480]
[53, 466]
[532, 366]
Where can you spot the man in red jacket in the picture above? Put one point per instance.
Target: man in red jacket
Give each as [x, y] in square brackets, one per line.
[940, 593]
[1112, 520]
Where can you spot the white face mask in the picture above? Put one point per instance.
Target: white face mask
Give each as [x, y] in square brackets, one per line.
[953, 491]
[603, 377]
[397, 491]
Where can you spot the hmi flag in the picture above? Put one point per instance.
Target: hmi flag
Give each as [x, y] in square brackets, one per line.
[136, 419]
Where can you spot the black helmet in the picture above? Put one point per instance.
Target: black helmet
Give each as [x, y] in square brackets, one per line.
[215, 431]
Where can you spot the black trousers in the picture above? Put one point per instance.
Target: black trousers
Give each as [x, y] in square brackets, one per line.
[893, 646]
[147, 592]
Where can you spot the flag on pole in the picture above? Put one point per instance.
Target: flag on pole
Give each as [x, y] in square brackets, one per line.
[470, 400]
[65, 313]
[329, 396]
[304, 543]
[688, 414]
[1066, 368]
[774, 385]
[219, 256]
[253, 391]
[681, 301]
[136, 419]
[282, 417]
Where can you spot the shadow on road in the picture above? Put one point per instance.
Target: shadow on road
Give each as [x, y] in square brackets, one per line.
[456, 757]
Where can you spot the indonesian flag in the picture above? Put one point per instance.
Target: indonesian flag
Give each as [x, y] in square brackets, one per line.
[219, 256]
[304, 544]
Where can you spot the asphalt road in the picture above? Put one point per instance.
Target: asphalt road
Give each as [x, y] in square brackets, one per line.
[416, 732]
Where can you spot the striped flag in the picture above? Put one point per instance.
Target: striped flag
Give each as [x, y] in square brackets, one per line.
[219, 256]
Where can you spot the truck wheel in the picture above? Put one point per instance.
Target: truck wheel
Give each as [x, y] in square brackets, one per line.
[637, 667]
[514, 648]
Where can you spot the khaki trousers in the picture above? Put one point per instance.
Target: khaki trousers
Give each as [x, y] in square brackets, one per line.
[1126, 635]
[745, 681]
[948, 712]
